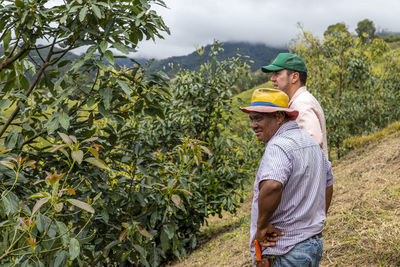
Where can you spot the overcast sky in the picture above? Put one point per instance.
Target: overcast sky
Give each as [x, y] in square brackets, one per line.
[194, 23]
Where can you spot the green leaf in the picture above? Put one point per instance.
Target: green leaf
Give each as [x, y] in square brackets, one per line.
[39, 204]
[74, 248]
[6, 39]
[164, 241]
[97, 162]
[12, 139]
[154, 257]
[122, 48]
[82, 13]
[143, 253]
[185, 191]
[63, 118]
[4, 103]
[20, 96]
[62, 230]
[177, 200]
[126, 255]
[41, 222]
[29, 66]
[103, 111]
[52, 125]
[73, 138]
[81, 205]
[144, 232]
[106, 94]
[63, 63]
[10, 203]
[77, 155]
[58, 206]
[64, 19]
[103, 46]
[91, 139]
[169, 230]
[77, 64]
[8, 164]
[65, 138]
[58, 147]
[61, 258]
[101, 65]
[97, 11]
[125, 87]
[112, 244]
[89, 53]
[91, 102]
[109, 56]
[94, 152]
[19, 3]
[97, 197]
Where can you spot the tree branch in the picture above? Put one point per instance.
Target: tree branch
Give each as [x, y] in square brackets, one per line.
[37, 51]
[17, 109]
[10, 60]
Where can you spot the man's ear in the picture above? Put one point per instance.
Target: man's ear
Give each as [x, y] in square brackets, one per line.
[295, 77]
[280, 117]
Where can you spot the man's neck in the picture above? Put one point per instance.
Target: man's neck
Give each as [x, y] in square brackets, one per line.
[292, 90]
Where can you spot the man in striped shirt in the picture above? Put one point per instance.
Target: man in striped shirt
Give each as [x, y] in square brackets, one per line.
[293, 185]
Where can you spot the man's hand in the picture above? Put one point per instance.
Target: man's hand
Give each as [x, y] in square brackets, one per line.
[268, 236]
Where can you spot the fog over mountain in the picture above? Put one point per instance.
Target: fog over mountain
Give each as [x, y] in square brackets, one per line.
[195, 23]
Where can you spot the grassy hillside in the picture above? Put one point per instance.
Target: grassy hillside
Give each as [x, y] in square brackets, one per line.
[363, 225]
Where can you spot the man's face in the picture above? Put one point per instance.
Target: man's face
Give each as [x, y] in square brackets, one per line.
[280, 79]
[264, 125]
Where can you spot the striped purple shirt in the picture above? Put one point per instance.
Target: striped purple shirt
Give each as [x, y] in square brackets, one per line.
[293, 158]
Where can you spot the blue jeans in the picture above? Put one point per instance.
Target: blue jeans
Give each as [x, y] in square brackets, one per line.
[307, 253]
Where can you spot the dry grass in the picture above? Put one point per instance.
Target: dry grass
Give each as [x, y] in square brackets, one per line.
[363, 225]
[360, 141]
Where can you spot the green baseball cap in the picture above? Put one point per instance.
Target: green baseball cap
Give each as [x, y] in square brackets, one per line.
[286, 61]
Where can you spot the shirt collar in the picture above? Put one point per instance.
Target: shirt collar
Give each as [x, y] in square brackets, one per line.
[290, 125]
[298, 92]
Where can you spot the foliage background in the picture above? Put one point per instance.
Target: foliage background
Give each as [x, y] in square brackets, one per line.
[102, 165]
[105, 165]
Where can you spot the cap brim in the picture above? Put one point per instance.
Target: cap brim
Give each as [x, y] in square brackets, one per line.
[271, 68]
[262, 109]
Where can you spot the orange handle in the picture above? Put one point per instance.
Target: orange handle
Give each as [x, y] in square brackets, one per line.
[258, 250]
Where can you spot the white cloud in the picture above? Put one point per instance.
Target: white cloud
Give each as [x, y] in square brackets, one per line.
[194, 23]
[273, 22]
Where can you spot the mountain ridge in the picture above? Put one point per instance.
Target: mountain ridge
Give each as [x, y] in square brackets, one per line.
[259, 54]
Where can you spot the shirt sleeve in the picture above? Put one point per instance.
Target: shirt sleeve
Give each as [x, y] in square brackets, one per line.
[309, 122]
[276, 165]
[329, 174]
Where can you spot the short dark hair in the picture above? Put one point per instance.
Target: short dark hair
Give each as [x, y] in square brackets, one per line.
[302, 76]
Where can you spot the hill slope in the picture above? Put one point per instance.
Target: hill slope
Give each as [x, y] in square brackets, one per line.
[363, 225]
[259, 53]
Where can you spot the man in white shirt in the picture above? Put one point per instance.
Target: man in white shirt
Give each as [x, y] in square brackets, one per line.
[289, 74]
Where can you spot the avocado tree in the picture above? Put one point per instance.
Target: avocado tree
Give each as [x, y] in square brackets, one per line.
[366, 30]
[102, 165]
[36, 37]
[47, 192]
[351, 82]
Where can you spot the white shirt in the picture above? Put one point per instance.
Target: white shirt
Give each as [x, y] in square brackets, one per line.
[311, 116]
